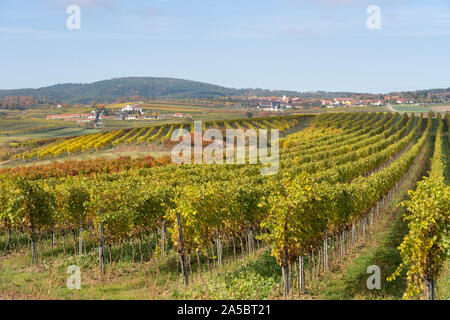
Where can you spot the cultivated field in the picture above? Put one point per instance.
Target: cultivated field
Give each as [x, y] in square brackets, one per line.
[145, 228]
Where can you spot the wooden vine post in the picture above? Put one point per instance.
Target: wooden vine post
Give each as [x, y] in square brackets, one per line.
[34, 255]
[285, 267]
[52, 239]
[301, 274]
[250, 239]
[8, 236]
[163, 237]
[429, 281]
[219, 249]
[80, 241]
[102, 248]
[182, 250]
[325, 251]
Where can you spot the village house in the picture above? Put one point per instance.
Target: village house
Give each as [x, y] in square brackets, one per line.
[128, 109]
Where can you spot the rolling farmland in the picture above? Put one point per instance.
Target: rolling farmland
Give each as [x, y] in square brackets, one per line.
[146, 135]
[337, 178]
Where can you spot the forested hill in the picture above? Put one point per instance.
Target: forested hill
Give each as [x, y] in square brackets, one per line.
[110, 90]
[146, 87]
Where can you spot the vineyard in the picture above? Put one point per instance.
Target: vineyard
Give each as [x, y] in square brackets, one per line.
[336, 178]
[147, 135]
[32, 125]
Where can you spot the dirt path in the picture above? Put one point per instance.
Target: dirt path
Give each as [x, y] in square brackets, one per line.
[389, 106]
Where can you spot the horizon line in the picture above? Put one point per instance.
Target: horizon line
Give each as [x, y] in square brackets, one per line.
[225, 87]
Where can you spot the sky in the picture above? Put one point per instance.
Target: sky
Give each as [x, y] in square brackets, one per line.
[296, 45]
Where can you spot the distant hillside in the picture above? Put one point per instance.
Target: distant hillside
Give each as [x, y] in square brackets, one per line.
[146, 87]
[108, 91]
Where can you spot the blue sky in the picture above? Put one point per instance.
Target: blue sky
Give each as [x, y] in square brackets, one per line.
[274, 44]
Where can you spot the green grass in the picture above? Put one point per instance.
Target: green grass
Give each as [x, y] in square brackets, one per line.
[66, 132]
[443, 283]
[356, 109]
[352, 284]
[402, 108]
[441, 104]
[156, 278]
[57, 132]
[257, 279]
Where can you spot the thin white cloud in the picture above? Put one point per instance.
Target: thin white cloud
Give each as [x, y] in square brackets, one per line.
[296, 32]
[337, 3]
[94, 4]
[20, 30]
